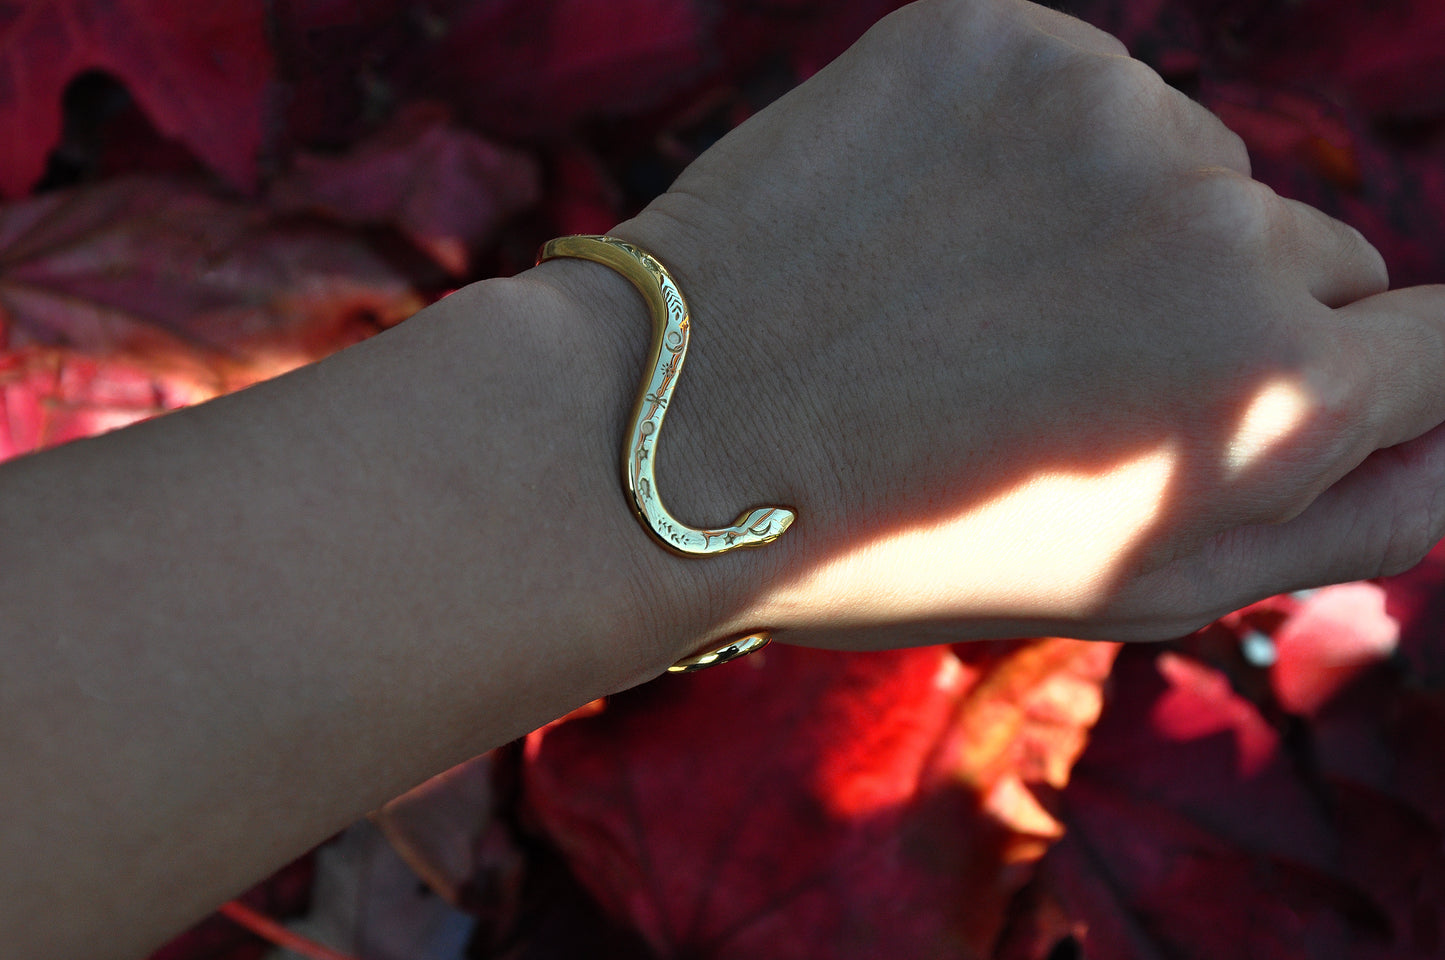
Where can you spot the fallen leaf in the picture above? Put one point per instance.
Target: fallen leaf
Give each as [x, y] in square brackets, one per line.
[284, 894]
[1416, 600]
[367, 902]
[814, 804]
[1336, 100]
[519, 68]
[135, 296]
[1386, 57]
[457, 832]
[334, 60]
[448, 830]
[446, 189]
[201, 72]
[1333, 637]
[582, 197]
[1195, 830]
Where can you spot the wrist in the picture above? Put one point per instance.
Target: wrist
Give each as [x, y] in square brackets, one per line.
[598, 331]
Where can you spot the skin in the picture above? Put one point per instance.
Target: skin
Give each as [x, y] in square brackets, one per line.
[1001, 315]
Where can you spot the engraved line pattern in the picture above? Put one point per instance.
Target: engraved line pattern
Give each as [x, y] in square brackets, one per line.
[671, 330]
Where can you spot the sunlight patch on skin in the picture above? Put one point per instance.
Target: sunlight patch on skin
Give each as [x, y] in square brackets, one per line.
[1050, 546]
[1276, 411]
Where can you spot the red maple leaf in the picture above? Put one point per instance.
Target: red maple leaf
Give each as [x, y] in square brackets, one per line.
[819, 804]
[448, 830]
[1198, 828]
[1385, 57]
[122, 300]
[446, 189]
[517, 67]
[200, 71]
[1317, 90]
[286, 893]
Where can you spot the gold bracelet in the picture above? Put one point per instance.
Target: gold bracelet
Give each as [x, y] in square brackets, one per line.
[671, 327]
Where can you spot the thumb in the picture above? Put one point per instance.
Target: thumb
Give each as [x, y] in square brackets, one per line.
[1379, 519]
[1399, 336]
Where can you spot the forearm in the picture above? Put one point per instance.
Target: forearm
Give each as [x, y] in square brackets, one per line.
[231, 631]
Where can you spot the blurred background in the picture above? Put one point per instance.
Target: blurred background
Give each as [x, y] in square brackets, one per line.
[200, 196]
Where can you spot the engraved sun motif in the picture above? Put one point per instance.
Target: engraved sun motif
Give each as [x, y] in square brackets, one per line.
[670, 331]
[671, 325]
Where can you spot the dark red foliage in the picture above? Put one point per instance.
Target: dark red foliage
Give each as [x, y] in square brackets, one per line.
[444, 188]
[285, 894]
[131, 297]
[815, 804]
[256, 184]
[522, 68]
[1194, 831]
[1342, 102]
[1303, 821]
[201, 71]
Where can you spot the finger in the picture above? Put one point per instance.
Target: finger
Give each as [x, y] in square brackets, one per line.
[1393, 345]
[1379, 519]
[1204, 136]
[1340, 265]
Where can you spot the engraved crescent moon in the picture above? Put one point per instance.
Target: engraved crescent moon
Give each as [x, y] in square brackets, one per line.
[671, 331]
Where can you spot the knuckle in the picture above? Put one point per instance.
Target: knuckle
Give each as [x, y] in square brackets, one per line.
[1412, 534]
[1127, 78]
[960, 25]
[1368, 257]
[1206, 141]
[1104, 41]
[1288, 504]
[1300, 429]
[1120, 96]
[1228, 214]
[1118, 103]
[1338, 419]
[1231, 148]
[1411, 537]
[944, 43]
[1213, 141]
[1114, 114]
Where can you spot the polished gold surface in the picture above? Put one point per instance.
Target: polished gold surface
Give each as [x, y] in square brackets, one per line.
[671, 330]
[740, 647]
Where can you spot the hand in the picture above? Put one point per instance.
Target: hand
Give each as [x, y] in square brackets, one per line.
[1006, 320]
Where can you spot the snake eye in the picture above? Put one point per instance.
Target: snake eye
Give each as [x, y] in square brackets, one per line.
[671, 323]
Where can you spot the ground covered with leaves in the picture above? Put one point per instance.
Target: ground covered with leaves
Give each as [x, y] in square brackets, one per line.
[199, 196]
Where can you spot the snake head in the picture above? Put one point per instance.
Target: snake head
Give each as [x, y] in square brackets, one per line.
[765, 524]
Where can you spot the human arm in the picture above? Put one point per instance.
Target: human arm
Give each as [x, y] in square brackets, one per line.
[231, 631]
[971, 273]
